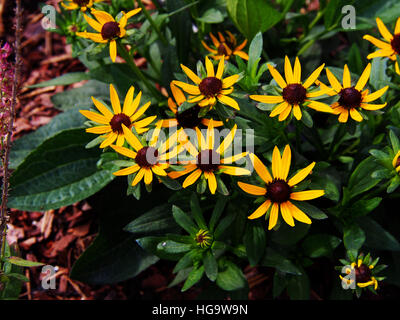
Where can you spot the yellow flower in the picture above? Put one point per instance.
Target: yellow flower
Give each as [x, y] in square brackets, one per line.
[83, 5]
[363, 275]
[188, 118]
[294, 92]
[352, 97]
[278, 189]
[390, 47]
[203, 238]
[396, 162]
[111, 122]
[150, 159]
[207, 160]
[207, 91]
[108, 29]
[226, 47]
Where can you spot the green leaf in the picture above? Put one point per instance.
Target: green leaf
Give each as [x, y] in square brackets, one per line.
[298, 287]
[287, 235]
[22, 262]
[255, 241]
[355, 61]
[275, 260]
[377, 237]
[211, 15]
[353, 237]
[331, 13]
[224, 224]
[79, 98]
[378, 78]
[310, 210]
[230, 276]
[319, 245]
[12, 288]
[394, 141]
[217, 212]
[157, 221]
[255, 50]
[279, 284]
[210, 265]
[58, 173]
[184, 220]
[193, 277]
[184, 262]
[364, 206]
[170, 246]
[360, 180]
[23, 146]
[68, 78]
[18, 276]
[197, 212]
[252, 16]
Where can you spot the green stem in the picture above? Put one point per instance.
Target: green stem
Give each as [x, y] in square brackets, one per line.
[153, 24]
[129, 60]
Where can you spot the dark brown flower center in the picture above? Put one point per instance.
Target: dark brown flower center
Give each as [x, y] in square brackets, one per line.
[363, 273]
[146, 157]
[189, 118]
[118, 120]
[350, 98]
[222, 49]
[210, 86]
[81, 3]
[294, 94]
[110, 30]
[396, 43]
[208, 160]
[278, 191]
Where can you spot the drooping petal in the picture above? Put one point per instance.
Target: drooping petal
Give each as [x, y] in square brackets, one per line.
[286, 159]
[344, 115]
[267, 99]
[140, 112]
[131, 138]
[297, 112]
[297, 71]
[333, 81]
[273, 217]
[346, 77]
[313, 77]
[99, 129]
[288, 71]
[383, 30]
[362, 81]
[234, 171]
[102, 16]
[109, 140]
[379, 43]
[93, 23]
[286, 214]
[94, 116]
[212, 181]
[356, 115]
[285, 113]
[192, 178]
[301, 175]
[176, 174]
[276, 163]
[228, 101]
[220, 69]
[297, 213]
[319, 106]
[125, 151]
[306, 195]
[113, 50]
[209, 68]
[189, 88]
[261, 210]
[371, 107]
[148, 176]
[252, 189]
[127, 171]
[375, 95]
[138, 177]
[227, 141]
[103, 109]
[279, 109]
[260, 168]
[229, 81]
[277, 76]
[192, 76]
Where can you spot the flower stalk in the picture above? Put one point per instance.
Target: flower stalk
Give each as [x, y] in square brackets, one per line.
[8, 101]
